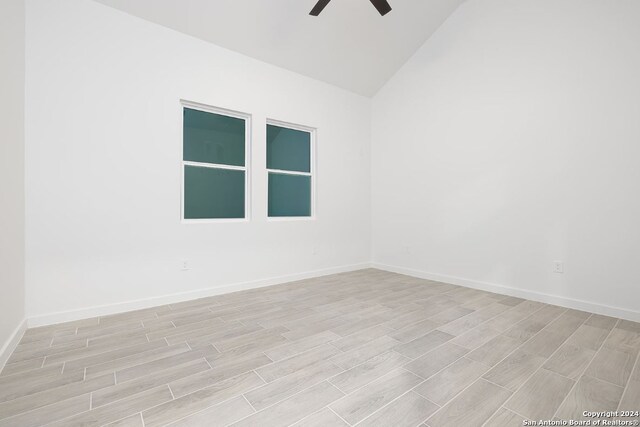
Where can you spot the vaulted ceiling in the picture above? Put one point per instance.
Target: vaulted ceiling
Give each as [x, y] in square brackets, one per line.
[349, 45]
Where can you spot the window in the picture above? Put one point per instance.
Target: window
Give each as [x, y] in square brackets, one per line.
[214, 163]
[290, 156]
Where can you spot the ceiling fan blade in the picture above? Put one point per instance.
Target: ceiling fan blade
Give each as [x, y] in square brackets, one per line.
[318, 7]
[382, 6]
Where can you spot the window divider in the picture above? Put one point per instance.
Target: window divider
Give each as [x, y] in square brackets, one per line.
[287, 172]
[214, 166]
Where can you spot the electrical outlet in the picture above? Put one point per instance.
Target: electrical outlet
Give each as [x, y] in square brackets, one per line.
[185, 265]
[558, 267]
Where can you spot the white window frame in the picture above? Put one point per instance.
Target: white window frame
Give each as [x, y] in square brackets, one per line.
[312, 170]
[246, 168]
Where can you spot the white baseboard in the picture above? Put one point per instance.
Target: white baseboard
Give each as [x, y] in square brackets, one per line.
[520, 293]
[11, 344]
[103, 310]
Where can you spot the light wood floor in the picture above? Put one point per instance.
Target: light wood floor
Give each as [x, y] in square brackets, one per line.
[366, 348]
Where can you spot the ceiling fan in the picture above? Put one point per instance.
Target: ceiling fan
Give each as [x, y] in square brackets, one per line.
[382, 6]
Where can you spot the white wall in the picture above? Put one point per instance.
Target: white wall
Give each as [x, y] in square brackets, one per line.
[12, 303]
[104, 151]
[511, 140]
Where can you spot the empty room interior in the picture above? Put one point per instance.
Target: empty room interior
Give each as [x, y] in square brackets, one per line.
[402, 213]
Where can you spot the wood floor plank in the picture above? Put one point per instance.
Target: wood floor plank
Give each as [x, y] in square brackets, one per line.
[476, 337]
[294, 408]
[220, 370]
[363, 353]
[136, 335]
[37, 384]
[509, 318]
[365, 401]
[450, 315]
[407, 319]
[413, 331]
[600, 321]
[323, 418]
[220, 415]
[54, 395]
[48, 352]
[494, 350]
[287, 366]
[301, 345]
[432, 362]
[176, 335]
[200, 400]
[124, 390]
[313, 325]
[28, 338]
[291, 384]
[144, 313]
[131, 421]
[258, 346]
[514, 370]
[90, 356]
[541, 396]
[570, 360]
[261, 336]
[22, 367]
[525, 329]
[472, 407]
[505, 418]
[465, 323]
[158, 365]
[360, 338]
[445, 385]
[624, 340]
[551, 313]
[369, 371]
[544, 344]
[98, 333]
[98, 329]
[590, 394]
[631, 396]
[53, 330]
[51, 371]
[424, 344]
[34, 345]
[205, 337]
[565, 325]
[612, 366]
[406, 411]
[588, 337]
[181, 319]
[629, 325]
[511, 301]
[117, 410]
[50, 413]
[349, 328]
[134, 360]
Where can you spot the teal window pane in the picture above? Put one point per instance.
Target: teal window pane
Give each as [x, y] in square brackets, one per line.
[213, 138]
[289, 195]
[213, 193]
[288, 149]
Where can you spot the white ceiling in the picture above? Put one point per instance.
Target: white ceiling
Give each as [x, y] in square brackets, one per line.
[349, 45]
